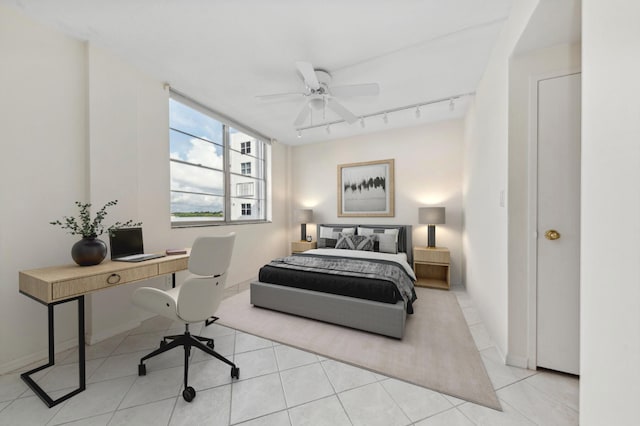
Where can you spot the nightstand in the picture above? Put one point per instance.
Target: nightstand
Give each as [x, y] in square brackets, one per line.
[300, 246]
[431, 265]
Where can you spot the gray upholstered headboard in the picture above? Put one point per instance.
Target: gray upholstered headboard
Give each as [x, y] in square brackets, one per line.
[405, 244]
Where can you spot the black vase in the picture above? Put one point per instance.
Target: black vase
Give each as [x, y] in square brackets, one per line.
[89, 251]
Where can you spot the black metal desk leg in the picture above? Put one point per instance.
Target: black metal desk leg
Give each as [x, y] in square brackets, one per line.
[81, 357]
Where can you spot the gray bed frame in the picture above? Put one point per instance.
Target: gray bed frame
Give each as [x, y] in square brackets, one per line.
[382, 318]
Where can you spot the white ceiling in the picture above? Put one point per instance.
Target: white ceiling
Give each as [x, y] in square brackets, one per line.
[224, 53]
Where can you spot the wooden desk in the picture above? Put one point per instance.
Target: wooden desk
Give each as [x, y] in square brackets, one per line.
[60, 284]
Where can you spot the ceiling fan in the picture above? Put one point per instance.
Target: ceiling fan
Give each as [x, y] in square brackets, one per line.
[321, 95]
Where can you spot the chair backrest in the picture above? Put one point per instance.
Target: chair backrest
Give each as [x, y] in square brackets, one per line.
[211, 256]
[201, 293]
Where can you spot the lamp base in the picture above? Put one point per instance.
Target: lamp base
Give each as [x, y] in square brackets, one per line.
[303, 232]
[431, 236]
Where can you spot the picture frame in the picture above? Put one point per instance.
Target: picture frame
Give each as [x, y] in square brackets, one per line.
[366, 189]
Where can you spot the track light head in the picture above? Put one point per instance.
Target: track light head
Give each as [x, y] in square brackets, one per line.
[385, 118]
[299, 134]
[328, 129]
[362, 122]
[418, 111]
[452, 105]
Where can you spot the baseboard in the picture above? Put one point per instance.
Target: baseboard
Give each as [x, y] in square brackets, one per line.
[42, 355]
[517, 361]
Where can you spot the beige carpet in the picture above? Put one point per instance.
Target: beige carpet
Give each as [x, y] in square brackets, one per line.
[437, 351]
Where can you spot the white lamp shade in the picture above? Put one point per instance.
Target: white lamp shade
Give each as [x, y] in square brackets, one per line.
[304, 216]
[431, 215]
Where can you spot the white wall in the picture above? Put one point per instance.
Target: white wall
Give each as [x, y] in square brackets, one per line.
[80, 124]
[524, 70]
[428, 171]
[485, 182]
[42, 172]
[610, 287]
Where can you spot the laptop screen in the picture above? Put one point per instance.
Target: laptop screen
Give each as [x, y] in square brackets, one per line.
[125, 242]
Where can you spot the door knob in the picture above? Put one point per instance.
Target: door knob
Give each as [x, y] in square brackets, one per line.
[552, 234]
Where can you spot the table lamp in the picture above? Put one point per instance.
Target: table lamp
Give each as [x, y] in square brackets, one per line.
[431, 216]
[303, 216]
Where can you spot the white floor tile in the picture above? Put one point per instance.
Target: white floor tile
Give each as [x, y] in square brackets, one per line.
[480, 336]
[281, 418]
[289, 357]
[415, 401]
[451, 417]
[483, 416]
[11, 386]
[268, 371]
[323, 412]
[536, 406]
[224, 345]
[101, 420]
[27, 411]
[209, 374]
[98, 398]
[66, 376]
[156, 413]
[210, 407]
[560, 387]
[155, 386]
[256, 363]
[501, 375]
[305, 384]
[247, 342]
[370, 405]
[256, 397]
[139, 342]
[344, 376]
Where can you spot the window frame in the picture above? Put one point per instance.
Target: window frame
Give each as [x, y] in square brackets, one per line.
[265, 157]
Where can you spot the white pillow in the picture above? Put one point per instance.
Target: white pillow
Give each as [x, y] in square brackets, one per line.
[386, 239]
[328, 236]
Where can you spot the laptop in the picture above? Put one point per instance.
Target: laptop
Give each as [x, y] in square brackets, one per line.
[126, 246]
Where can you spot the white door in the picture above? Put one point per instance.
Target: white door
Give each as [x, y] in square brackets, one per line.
[558, 244]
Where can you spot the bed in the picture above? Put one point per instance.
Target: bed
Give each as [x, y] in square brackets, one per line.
[360, 277]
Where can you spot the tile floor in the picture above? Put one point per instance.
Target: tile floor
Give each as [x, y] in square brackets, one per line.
[278, 385]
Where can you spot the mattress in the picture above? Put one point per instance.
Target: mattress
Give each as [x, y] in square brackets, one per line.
[374, 289]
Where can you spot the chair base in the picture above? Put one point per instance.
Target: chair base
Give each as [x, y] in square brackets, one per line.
[187, 341]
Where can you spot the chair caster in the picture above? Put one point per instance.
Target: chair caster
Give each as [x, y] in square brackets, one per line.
[163, 343]
[235, 372]
[189, 393]
[210, 344]
[142, 370]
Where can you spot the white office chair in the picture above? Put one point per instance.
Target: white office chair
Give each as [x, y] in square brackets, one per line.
[196, 300]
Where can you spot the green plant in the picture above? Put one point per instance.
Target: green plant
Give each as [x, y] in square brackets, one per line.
[91, 228]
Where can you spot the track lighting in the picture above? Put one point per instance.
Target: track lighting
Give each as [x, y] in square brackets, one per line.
[417, 108]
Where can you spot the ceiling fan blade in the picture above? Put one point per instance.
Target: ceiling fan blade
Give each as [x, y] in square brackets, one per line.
[367, 89]
[308, 74]
[279, 95]
[302, 116]
[337, 107]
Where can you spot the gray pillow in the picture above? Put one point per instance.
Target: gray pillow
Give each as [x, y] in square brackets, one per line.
[354, 242]
[385, 239]
[328, 237]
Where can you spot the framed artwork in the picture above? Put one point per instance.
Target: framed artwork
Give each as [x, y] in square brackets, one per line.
[366, 189]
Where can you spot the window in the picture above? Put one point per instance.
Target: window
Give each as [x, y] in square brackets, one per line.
[213, 164]
[245, 147]
[244, 189]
